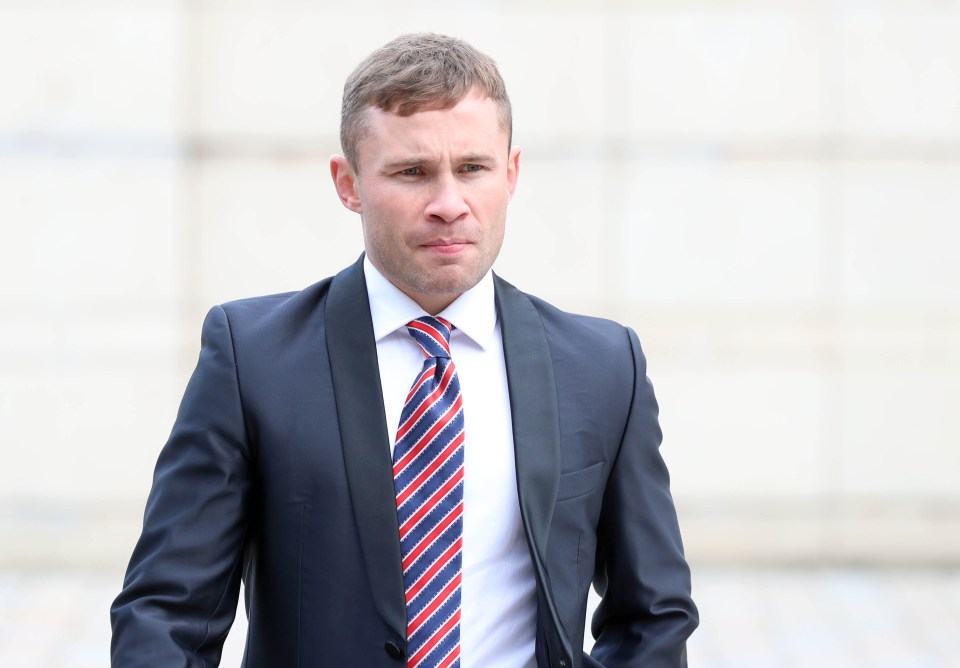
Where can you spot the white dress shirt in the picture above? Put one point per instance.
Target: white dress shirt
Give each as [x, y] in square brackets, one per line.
[498, 606]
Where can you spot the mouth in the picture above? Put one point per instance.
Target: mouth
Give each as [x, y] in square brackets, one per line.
[446, 246]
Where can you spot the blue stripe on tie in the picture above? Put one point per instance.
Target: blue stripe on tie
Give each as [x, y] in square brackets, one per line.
[425, 563]
[444, 438]
[423, 634]
[431, 519]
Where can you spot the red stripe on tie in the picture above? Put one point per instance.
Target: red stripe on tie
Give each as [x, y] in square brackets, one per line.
[450, 658]
[434, 640]
[438, 565]
[440, 460]
[422, 546]
[433, 332]
[430, 503]
[414, 624]
[442, 421]
[427, 402]
[427, 376]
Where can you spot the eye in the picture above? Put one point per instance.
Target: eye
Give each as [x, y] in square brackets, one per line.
[472, 168]
[411, 171]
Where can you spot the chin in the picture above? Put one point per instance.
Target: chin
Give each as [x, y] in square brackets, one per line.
[449, 285]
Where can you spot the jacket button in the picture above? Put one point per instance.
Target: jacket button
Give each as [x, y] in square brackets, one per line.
[393, 650]
[563, 663]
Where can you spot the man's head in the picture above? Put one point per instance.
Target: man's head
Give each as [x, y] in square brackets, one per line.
[429, 122]
[418, 72]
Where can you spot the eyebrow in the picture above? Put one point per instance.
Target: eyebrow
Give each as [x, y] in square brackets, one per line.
[411, 160]
[477, 157]
[401, 163]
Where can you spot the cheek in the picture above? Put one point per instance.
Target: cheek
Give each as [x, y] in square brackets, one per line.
[393, 209]
[384, 222]
[498, 214]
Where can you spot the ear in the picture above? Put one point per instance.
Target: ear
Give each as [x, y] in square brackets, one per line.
[513, 171]
[345, 181]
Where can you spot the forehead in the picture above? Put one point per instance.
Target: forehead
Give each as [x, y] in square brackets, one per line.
[471, 124]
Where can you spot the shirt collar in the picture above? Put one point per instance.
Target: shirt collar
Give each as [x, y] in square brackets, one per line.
[473, 313]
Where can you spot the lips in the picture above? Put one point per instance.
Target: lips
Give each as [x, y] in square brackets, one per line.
[446, 246]
[446, 242]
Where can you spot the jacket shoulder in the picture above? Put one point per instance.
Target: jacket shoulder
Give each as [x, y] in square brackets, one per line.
[267, 311]
[579, 330]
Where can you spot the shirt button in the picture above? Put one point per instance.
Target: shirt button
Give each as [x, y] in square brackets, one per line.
[393, 650]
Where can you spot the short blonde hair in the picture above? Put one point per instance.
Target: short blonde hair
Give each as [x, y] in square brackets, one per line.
[418, 72]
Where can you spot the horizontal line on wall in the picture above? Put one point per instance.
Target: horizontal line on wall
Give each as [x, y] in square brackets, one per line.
[876, 314]
[850, 506]
[609, 148]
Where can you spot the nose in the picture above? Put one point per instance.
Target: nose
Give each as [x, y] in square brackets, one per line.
[447, 203]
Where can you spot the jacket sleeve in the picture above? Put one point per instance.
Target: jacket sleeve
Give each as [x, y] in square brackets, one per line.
[646, 611]
[180, 592]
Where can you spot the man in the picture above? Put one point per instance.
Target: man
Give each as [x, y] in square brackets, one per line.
[413, 463]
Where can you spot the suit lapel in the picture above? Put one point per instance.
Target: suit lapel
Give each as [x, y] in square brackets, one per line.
[536, 441]
[363, 434]
[533, 404]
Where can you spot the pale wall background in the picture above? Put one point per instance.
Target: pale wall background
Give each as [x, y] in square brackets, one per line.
[767, 191]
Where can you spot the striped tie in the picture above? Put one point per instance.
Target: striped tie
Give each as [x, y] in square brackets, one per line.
[428, 478]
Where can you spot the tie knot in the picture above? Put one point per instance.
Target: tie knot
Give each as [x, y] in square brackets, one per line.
[433, 335]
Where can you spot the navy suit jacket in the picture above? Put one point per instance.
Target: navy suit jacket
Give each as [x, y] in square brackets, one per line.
[278, 473]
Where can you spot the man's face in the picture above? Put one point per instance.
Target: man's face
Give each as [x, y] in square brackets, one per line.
[432, 194]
